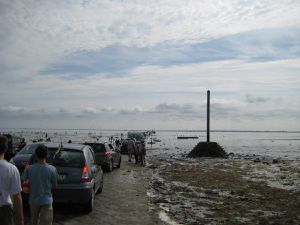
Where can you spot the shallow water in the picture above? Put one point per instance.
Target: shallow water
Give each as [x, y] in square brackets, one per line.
[275, 144]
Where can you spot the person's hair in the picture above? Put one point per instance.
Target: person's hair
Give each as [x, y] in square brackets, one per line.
[3, 144]
[41, 152]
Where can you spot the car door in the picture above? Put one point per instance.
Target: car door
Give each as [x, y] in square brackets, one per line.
[94, 167]
[114, 155]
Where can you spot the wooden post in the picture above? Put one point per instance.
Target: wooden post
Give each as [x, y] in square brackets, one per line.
[208, 116]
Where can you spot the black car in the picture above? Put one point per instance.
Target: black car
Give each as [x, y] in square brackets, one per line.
[21, 159]
[79, 175]
[106, 155]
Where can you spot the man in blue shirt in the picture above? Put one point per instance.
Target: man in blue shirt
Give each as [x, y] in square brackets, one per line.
[41, 177]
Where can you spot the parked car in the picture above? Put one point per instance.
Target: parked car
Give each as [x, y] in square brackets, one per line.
[21, 159]
[79, 175]
[106, 155]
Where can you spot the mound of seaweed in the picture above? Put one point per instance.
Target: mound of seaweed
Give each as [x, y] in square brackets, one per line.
[208, 149]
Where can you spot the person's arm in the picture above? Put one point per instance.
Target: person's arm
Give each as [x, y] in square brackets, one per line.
[18, 206]
[54, 178]
[54, 184]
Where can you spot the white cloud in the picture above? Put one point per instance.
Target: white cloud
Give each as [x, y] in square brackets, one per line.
[241, 93]
[37, 33]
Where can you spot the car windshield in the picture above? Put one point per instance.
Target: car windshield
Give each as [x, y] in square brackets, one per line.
[66, 158]
[28, 149]
[97, 147]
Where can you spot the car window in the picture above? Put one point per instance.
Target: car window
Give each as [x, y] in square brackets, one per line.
[90, 156]
[66, 158]
[28, 149]
[97, 147]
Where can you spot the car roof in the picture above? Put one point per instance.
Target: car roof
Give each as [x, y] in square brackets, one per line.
[65, 145]
[94, 143]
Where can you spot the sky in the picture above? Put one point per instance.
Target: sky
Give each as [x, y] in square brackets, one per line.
[137, 64]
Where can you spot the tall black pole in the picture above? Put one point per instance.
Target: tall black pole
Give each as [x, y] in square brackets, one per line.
[208, 115]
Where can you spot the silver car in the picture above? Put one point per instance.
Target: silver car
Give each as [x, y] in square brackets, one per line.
[79, 176]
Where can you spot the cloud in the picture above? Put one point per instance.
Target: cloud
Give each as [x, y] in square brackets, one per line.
[252, 99]
[258, 45]
[36, 34]
[90, 110]
[83, 63]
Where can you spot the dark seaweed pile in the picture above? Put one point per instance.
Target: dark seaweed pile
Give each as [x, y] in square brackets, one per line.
[208, 149]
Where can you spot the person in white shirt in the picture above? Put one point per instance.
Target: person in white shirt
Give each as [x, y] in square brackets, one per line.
[10, 189]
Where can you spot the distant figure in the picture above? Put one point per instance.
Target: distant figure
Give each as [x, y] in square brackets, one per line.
[130, 149]
[70, 141]
[10, 189]
[41, 177]
[142, 154]
[137, 151]
[118, 143]
[48, 139]
[22, 143]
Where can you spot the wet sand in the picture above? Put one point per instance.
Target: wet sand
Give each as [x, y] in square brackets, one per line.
[235, 191]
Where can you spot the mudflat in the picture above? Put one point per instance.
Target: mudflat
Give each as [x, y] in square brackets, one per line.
[235, 191]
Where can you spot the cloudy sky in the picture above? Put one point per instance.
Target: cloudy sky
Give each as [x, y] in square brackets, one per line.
[137, 64]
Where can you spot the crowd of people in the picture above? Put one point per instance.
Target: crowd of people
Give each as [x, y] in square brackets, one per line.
[136, 149]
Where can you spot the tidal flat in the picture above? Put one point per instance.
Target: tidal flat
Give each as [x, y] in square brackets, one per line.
[244, 189]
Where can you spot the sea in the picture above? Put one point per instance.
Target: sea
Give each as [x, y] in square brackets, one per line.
[282, 144]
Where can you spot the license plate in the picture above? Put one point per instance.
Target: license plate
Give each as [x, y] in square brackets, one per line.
[61, 176]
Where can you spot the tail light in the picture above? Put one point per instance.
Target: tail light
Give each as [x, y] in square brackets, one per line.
[85, 174]
[26, 187]
[106, 153]
[26, 165]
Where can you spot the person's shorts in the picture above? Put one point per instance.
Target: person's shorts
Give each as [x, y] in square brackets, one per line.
[6, 215]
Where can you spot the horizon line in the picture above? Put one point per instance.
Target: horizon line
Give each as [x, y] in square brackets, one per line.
[161, 130]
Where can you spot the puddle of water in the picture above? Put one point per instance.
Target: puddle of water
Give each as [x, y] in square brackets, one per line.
[165, 218]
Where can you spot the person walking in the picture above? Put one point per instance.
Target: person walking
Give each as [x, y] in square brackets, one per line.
[137, 151]
[131, 149]
[143, 153]
[10, 189]
[22, 144]
[41, 178]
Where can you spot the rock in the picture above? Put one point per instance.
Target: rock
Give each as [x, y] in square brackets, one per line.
[275, 161]
[256, 160]
[208, 149]
[152, 166]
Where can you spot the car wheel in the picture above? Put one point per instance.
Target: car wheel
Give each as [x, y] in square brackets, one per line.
[90, 205]
[101, 186]
[119, 165]
[109, 168]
